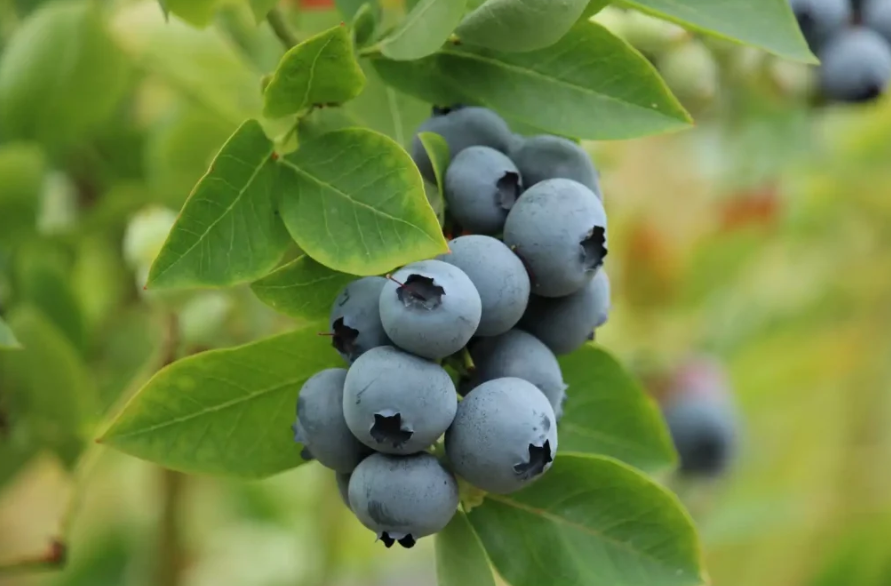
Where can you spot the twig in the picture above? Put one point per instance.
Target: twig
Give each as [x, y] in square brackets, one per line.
[170, 543]
[281, 29]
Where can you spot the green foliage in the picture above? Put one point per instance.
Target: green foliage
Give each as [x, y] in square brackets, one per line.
[319, 71]
[607, 412]
[302, 289]
[460, 557]
[8, 341]
[364, 23]
[228, 231]
[22, 167]
[603, 89]
[52, 71]
[260, 8]
[225, 412]
[50, 390]
[354, 201]
[438, 151]
[509, 25]
[382, 108]
[424, 29]
[768, 24]
[195, 12]
[583, 523]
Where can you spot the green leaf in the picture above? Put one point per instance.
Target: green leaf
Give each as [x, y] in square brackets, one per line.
[43, 278]
[608, 413]
[422, 79]
[320, 70]
[260, 8]
[382, 108]
[592, 521]
[302, 289]
[228, 232]
[354, 201]
[594, 6]
[365, 23]
[201, 64]
[438, 150]
[48, 383]
[519, 25]
[460, 557]
[227, 412]
[195, 12]
[424, 29]
[349, 8]
[767, 24]
[23, 169]
[61, 75]
[8, 341]
[590, 85]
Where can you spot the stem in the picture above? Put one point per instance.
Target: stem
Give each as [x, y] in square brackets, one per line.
[281, 29]
[170, 542]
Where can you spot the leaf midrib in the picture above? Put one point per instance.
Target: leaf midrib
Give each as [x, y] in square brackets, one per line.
[409, 23]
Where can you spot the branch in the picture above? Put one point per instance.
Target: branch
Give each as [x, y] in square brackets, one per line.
[170, 543]
[281, 29]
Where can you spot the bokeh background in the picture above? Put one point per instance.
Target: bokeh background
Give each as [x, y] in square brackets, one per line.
[761, 237]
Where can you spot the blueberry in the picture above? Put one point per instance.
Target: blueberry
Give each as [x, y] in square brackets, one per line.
[321, 427]
[552, 157]
[403, 499]
[461, 128]
[876, 15]
[819, 20]
[355, 318]
[481, 186]
[517, 354]
[856, 66]
[565, 323]
[704, 434]
[498, 275]
[558, 229]
[701, 416]
[430, 308]
[504, 436]
[397, 403]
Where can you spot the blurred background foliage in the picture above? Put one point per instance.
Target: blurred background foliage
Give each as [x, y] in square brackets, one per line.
[761, 237]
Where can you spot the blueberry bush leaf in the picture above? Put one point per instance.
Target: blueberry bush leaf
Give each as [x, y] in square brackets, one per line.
[767, 24]
[8, 341]
[302, 289]
[460, 557]
[224, 412]
[354, 201]
[524, 25]
[590, 520]
[228, 231]
[320, 70]
[589, 85]
[47, 384]
[608, 413]
[423, 30]
[438, 151]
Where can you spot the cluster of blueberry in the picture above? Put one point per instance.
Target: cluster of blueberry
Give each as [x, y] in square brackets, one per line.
[852, 38]
[484, 321]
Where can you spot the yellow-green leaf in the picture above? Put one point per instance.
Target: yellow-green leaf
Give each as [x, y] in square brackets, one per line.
[321, 70]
